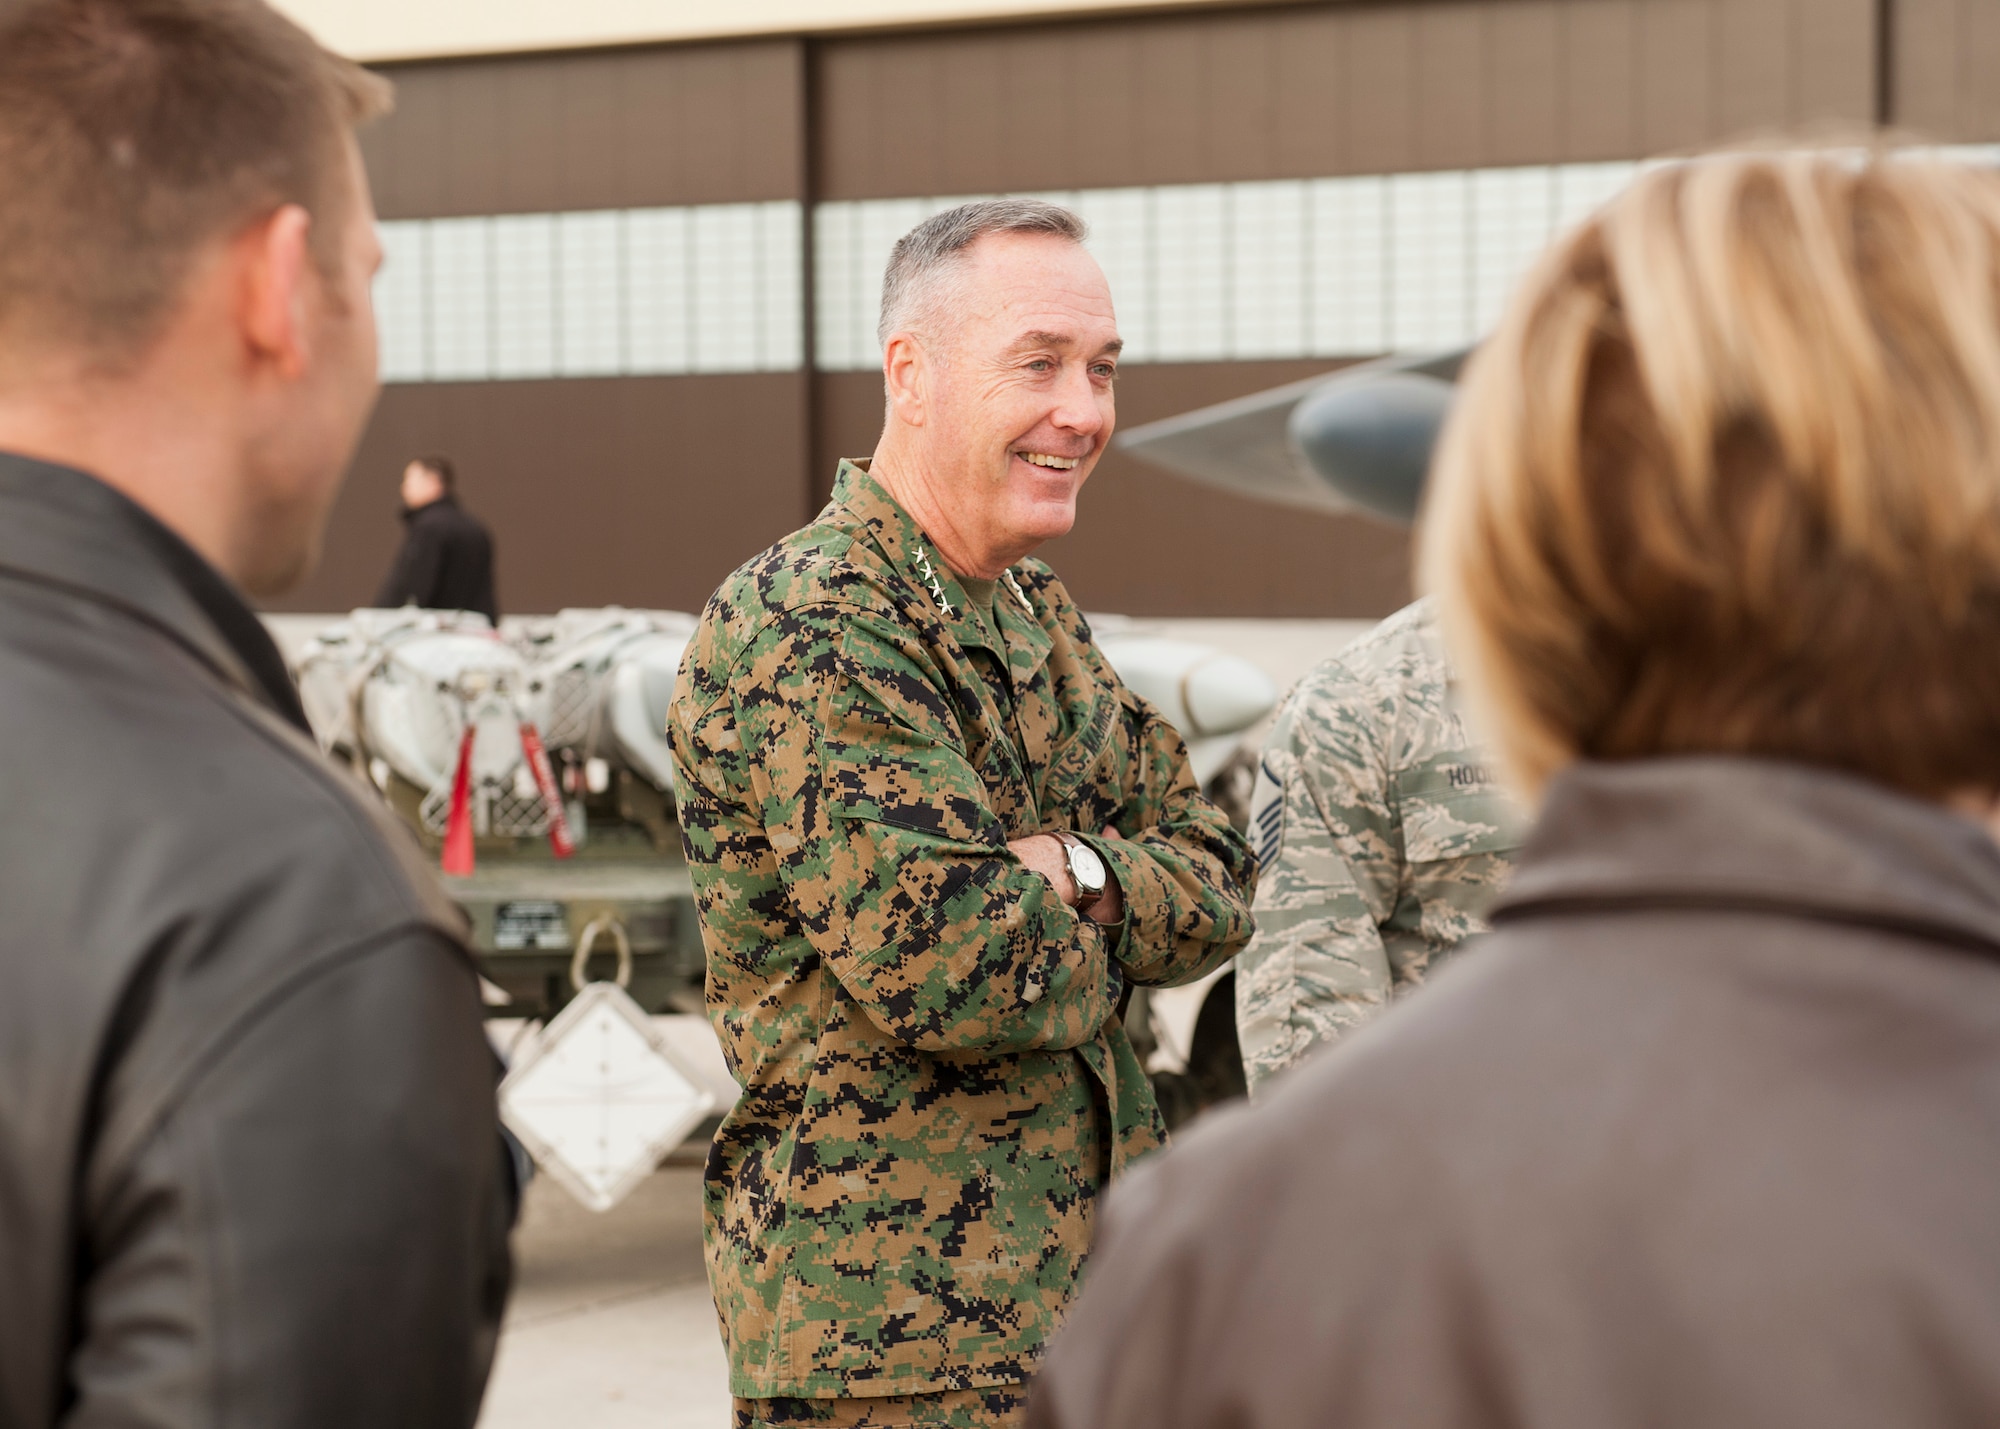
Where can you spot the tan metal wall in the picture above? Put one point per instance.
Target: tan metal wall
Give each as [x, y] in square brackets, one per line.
[1325, 90]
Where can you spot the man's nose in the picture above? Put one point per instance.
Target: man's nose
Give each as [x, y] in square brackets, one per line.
[1077, 409]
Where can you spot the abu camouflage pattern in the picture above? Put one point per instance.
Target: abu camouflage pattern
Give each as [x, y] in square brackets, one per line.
[935, 1082]
[1381, 836]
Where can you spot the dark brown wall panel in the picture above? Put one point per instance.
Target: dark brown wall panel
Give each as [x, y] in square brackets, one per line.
[1677, 92]
[1945, 55]
[1830, 45]
[1372, 123]
[1524, 106]
[629, 129]
[1756, 56]
[639, 491]
[1598, 46]
[1452, 78]
[1307, 75]
[1311, 90]
[1148, 542]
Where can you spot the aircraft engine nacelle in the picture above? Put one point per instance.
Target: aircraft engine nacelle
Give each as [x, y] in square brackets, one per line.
[1371, 441]
[1357, 441]
[1210, 697]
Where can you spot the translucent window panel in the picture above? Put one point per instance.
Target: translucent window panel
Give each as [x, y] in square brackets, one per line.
[590, 308]
[1985, 156]
[1267, 249]
[1582, 188]
[659, 286]
[524, 295]
[1329, 267]
[1191, 240]
[1513, 216]
[876, 230]
[781, 343]
[1121, 239]
[400, 288]
[1430, 267]
[1347, 266]
[838, 319]
[461, 299]
[725, 288]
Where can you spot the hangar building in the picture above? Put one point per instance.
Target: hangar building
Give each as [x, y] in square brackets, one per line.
[634, 247]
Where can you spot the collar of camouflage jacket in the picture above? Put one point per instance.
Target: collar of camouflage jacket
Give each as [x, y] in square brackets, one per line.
[905, 546]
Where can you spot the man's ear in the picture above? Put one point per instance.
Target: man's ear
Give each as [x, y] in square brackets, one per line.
[274, 262]
[903, 373]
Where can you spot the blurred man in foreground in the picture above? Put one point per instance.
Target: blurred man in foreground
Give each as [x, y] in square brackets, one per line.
[933, 836]
[1708, 1131]
[446, 559]
[250, 1170]
[1382, 834]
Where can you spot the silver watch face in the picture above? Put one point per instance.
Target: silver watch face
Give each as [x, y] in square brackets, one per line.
[1086, 868]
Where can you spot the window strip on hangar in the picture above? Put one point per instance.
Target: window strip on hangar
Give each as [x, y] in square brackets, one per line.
[1341, 267]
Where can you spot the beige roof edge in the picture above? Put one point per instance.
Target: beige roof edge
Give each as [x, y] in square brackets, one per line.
[387, 30]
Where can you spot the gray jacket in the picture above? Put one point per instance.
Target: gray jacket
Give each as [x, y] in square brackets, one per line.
[1707, 1134]
[250, 1172]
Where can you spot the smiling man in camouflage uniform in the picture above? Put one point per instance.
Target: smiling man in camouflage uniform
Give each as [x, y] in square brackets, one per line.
[1382, 836]
[933, 838]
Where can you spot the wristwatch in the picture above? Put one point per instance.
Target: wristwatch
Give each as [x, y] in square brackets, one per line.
[1085, 867]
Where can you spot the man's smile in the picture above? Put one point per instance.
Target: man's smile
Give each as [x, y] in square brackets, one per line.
[1047, 459]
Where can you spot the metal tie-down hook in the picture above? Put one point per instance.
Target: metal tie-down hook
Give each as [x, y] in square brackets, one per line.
[584, 944]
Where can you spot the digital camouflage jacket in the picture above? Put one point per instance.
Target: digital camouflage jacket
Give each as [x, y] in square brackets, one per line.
[1382, 835]
[935, 1081]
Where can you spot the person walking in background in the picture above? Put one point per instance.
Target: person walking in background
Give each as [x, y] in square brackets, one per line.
[1382, 833]
[251, 1171]
[446, 560]
[1708, 1131]
[933, 837]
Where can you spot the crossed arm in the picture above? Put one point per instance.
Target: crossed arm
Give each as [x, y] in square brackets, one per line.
[903, 878]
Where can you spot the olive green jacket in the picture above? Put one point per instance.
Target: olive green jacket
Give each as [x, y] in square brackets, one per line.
[935, 1079]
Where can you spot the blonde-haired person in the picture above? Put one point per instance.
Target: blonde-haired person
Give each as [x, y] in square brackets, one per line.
[1709, 1133]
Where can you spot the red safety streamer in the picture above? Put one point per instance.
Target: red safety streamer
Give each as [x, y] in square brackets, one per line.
[560, 842]
[458, 855]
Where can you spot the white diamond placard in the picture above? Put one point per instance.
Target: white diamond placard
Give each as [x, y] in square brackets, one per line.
[599, 1099]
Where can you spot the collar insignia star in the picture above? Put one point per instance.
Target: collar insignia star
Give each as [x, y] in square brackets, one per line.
[930, 575]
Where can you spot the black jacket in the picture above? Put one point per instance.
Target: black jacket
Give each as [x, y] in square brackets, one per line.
[250, 1170]
[446, 562]
[1707, 1133]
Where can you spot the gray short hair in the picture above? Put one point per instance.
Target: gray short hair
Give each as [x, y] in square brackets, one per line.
[935, 246]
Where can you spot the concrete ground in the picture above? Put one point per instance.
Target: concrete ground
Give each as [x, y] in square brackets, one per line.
[611, 1326]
